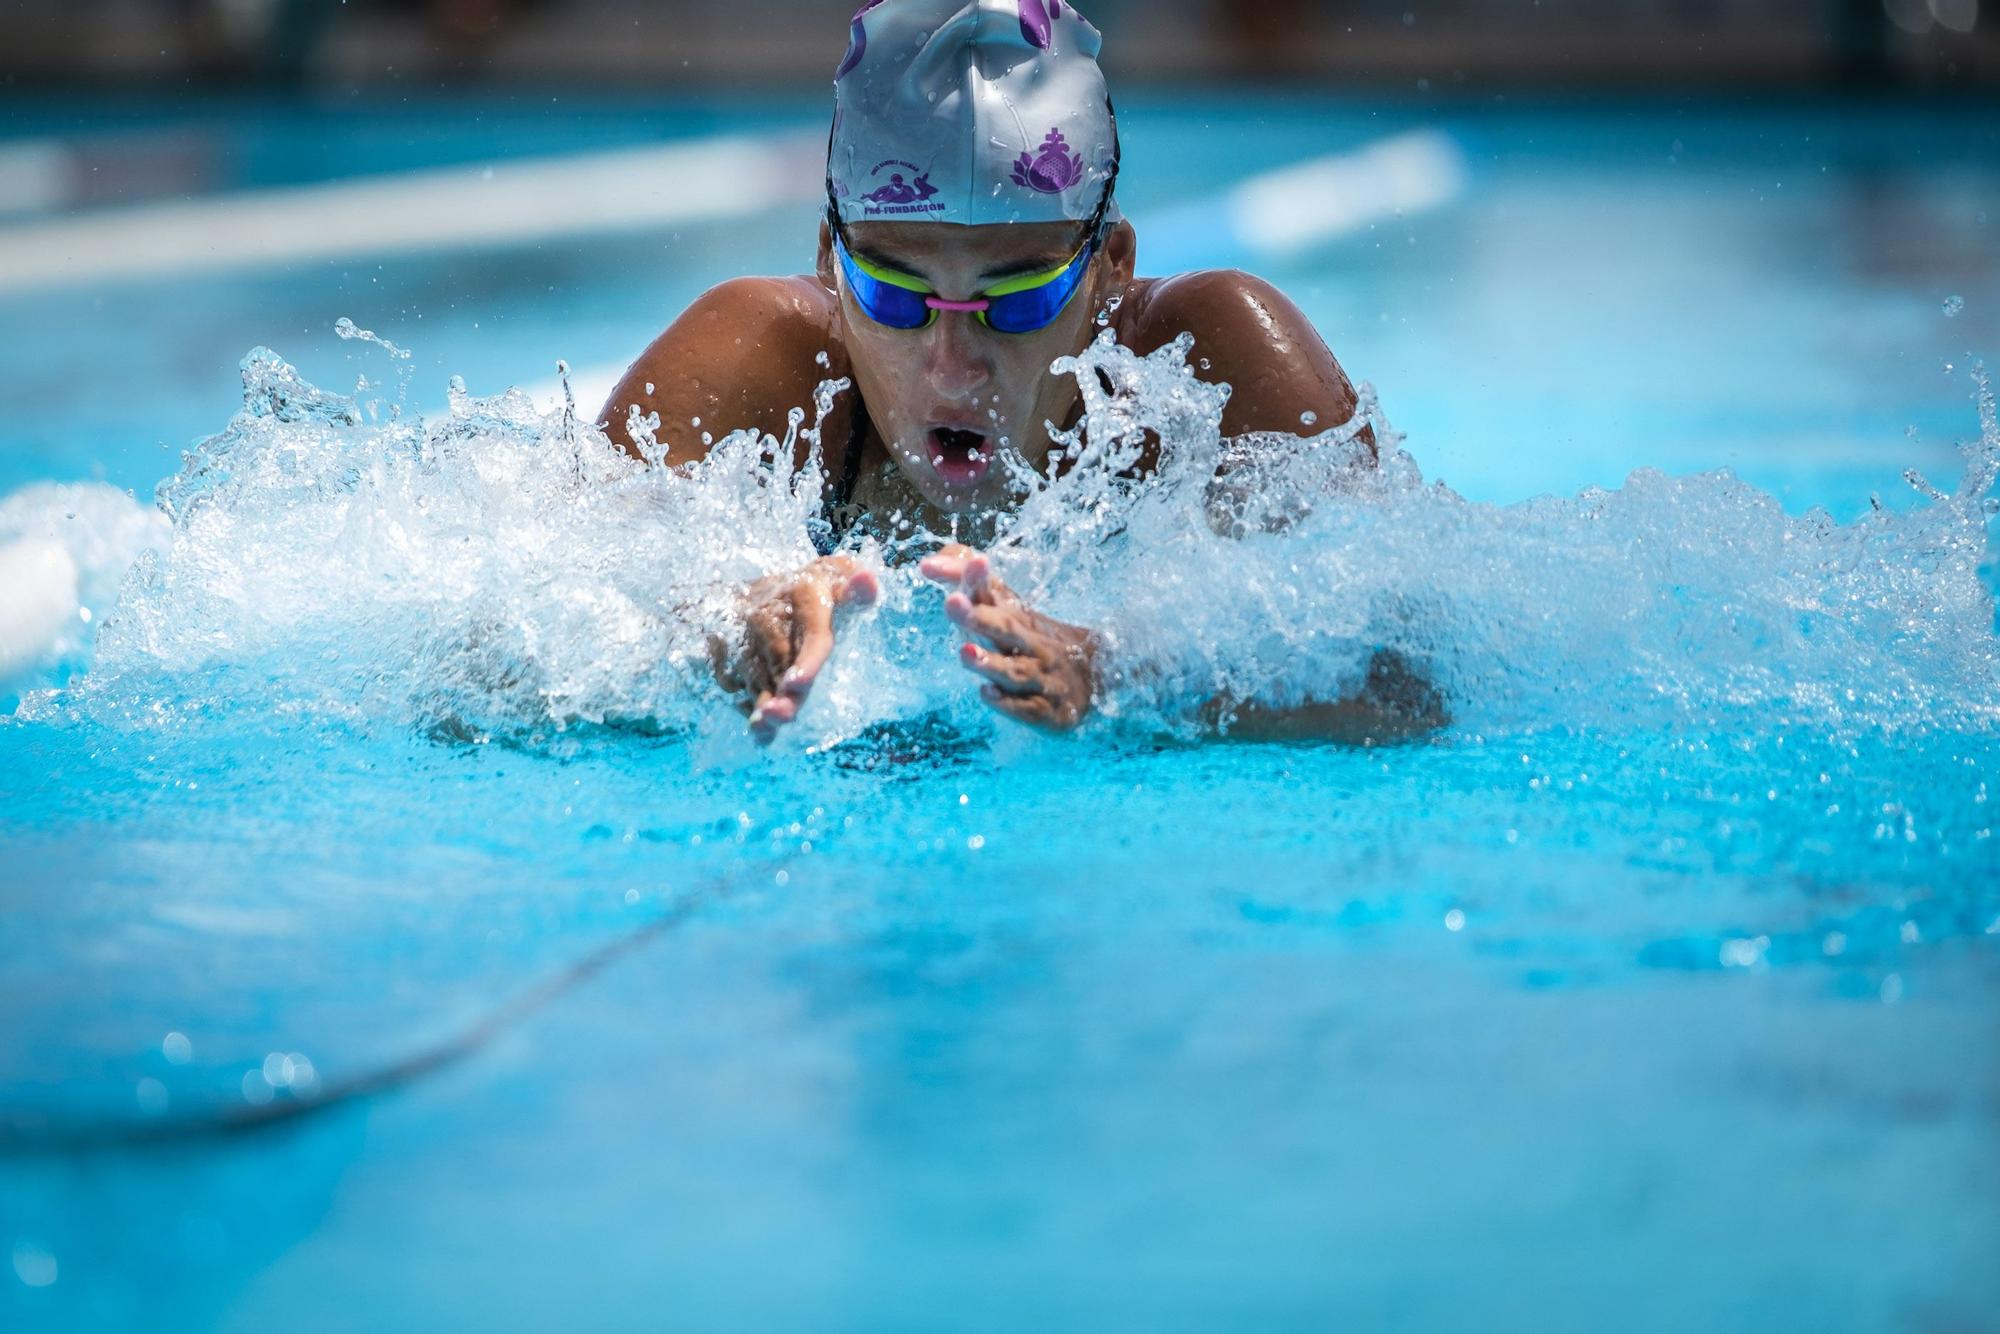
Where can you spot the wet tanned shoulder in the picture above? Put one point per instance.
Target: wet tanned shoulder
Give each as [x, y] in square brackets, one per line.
[742, 356]
[1283, 376]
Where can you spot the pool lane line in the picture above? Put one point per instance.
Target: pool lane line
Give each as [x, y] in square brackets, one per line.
[22, 1138]
[1289, 211]
[439, 209]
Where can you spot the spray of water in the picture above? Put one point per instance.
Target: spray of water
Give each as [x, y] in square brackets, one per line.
[507, 572]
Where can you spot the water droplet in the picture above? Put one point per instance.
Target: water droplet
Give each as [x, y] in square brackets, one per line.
[1308, 418]
[1952, 305]
[1744, 952]
[152, 1096]
[33, 1265]
[176, 1048]
[1454, 920]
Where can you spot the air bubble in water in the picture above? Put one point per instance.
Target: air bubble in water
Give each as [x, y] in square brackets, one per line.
[1952, 305]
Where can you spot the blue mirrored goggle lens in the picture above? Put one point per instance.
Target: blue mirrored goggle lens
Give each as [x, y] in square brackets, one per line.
[1015, 313]
[1037, 308]
[885, 303]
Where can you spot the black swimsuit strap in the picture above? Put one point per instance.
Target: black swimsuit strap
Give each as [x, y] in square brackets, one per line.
[839, 515]
[850, 463]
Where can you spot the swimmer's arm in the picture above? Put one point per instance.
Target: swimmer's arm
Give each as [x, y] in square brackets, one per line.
[741, 357]
[1048, 674]
[1284, 379]
[1393, 705]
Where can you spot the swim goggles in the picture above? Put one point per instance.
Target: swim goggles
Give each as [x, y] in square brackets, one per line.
[1017, 306]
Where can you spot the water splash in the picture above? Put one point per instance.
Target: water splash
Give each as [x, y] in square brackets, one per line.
[507, 572]
[79, 539]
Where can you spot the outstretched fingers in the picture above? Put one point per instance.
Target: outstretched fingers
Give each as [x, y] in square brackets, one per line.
[1014, 675]
[814, 603]
[788, 659]
[860, 589]
[971, 571]
[812, 636]
[1002, 627]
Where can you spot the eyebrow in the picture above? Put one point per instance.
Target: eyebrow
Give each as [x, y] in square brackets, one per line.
[1040, 262]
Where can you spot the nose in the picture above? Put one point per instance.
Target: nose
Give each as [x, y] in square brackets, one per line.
[956, 361]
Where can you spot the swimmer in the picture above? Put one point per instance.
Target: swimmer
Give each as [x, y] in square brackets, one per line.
[972, 233]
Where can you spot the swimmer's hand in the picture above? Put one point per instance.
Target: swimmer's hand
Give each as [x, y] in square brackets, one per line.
[1038, 670]
[787, 635]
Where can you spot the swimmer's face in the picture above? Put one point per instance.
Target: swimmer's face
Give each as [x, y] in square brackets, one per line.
[950, 398]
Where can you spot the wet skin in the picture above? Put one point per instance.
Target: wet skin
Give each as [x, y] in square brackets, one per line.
[941, 403]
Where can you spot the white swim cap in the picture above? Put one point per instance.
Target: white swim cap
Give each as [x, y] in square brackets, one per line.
[971, 111]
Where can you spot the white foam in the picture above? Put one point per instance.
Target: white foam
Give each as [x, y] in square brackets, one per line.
[38, 598]
[64, 551]
[506, 570]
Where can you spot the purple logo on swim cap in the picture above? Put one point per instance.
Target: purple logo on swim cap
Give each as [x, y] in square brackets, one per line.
[1053, 169]
[1038, 20]
[900, 194]
[900, 191]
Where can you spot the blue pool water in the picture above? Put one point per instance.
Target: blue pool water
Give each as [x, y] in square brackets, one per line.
[1660, 991]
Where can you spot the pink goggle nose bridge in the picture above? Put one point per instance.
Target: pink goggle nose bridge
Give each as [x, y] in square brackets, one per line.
[939, 303]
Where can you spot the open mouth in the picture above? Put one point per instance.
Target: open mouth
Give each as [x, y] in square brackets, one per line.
[960, 457]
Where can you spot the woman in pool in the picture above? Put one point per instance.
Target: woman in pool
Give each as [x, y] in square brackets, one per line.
[971, 235]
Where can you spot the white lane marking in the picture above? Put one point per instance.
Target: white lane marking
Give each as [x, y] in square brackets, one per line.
[1294, 208]
[447, 208]
[1280, 213]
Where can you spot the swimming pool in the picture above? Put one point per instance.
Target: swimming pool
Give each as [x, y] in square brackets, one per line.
[1660, 991]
